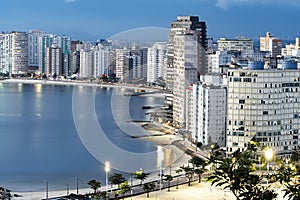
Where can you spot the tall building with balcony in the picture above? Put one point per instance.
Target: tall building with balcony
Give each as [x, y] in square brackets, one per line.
[102, 60]
[33, 48]
[121, 66]
[206, 113]
[54, 60]
[15, 56]
[186, 24]
[86, 69]
[185, 73]
[264, 104]
[155, 63]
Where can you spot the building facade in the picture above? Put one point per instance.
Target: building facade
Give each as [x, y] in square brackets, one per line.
[102, 61]
[241, 44]
[185, 73]
[207, 113]
[271, 44]
[54, 61]
[155, 61]
[186, 24]
[86, 69]
[263, 104]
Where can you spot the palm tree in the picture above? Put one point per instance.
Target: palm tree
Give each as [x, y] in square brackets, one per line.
[169, 178]
[148, 187]
[236, 174]
[141, 176]
[117, 179]
[178, 171]
[124, 188]
[94, 185]
[189, 173]
[292, 191]
[199, 165]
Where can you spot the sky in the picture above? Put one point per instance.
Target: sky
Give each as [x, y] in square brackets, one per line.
[101, 19]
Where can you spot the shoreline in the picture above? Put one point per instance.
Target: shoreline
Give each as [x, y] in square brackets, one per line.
[78, 83]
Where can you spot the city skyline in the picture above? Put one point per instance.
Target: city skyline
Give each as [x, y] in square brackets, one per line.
[93, 19]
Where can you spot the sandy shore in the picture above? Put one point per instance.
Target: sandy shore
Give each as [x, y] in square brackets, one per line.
[77, 83]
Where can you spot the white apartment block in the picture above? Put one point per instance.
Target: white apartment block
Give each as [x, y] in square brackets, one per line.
[264, 104]
[220, 58]
[185, 73]
[121, 62]
[19, 52]
[206, 113]
[101, 60]
[155, 61]
[86, 64]
[241, 44]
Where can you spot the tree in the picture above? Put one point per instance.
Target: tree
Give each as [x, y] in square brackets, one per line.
[148, 187]
[189, 173]
[169, 178]
[141, 176]
[178, 171]
[292, 191]
[199, 166]
[288, 176]
[117, 179]
[237, 174]
[94, 185]
[124, 188]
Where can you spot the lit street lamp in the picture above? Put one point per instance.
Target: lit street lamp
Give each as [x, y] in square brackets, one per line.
[107, 169]
[269, 154]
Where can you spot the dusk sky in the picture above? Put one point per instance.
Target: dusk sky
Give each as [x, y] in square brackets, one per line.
[95, 19]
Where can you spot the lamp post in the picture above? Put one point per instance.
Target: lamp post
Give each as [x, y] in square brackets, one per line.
[269, 154]
[107, 169]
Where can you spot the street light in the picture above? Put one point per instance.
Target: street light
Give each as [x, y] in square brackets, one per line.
[107, 169]
[269, 154]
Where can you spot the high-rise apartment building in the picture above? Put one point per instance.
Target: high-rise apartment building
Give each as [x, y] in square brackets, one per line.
[263, 104]
[206, 113]
[121, 66]
[102, 60]
[33, 48]
[185, 73]
[271, 44]
[15, 55]
[155, 63]
[54, 61]
[86, 69]
[46, 41]
[186, 24]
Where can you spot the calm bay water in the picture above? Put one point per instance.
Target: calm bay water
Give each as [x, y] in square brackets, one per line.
[39, 141]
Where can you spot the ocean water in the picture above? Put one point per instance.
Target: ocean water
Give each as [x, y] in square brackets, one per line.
[39, 142]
